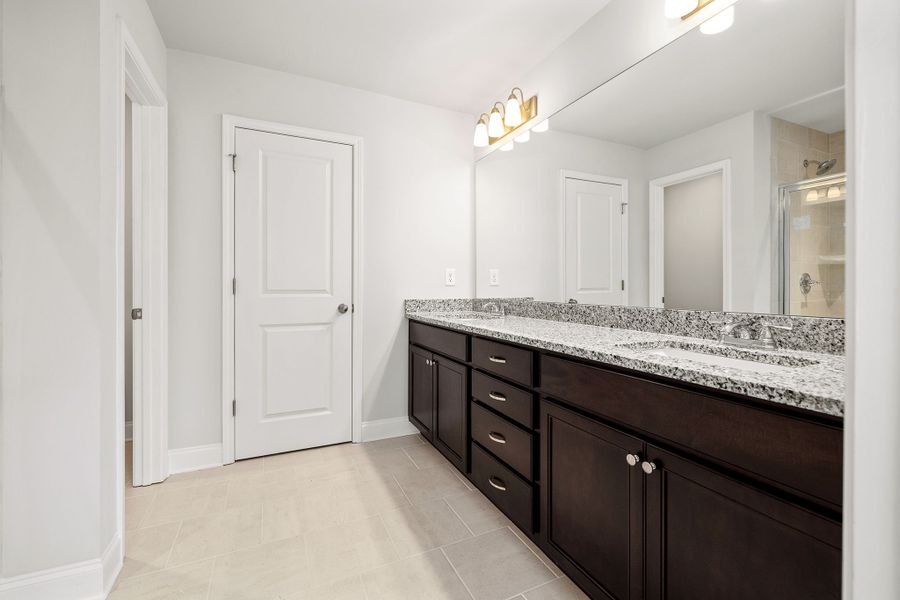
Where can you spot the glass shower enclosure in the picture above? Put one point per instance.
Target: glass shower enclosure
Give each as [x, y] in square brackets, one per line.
[813, 237]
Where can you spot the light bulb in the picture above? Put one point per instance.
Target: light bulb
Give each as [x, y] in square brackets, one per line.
[718, 23]
[481, 135]
[524, 137]
[676, 9]
[513, 116]
[507, 146]
[542, 126]
[495, 124]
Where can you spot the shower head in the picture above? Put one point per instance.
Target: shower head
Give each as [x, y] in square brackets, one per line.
[821, 167]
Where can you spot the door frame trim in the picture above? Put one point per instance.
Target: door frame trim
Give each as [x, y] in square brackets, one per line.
[657, 240]
[565, 174]
[230, 124]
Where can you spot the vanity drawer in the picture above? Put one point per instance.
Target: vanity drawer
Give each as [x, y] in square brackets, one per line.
[507, 361]
[508, 442]
[515, 403]
[509, 492]
[794, 453]
[448, 343]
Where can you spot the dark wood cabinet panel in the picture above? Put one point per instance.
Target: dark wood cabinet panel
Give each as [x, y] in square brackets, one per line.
[712, 537]
[451, 394]
[509, 492]
[449, 343]
[591, 503]
[421, 390]
[799, 455]
[505, 398]
[507, 441]
[516, 364]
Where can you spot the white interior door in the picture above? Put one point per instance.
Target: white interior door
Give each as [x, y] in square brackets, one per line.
[594, 240]
[293, 278]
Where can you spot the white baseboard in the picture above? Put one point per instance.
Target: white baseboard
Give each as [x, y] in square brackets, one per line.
[86, 580]
[387, 428]
[129, 431]
[194, 458]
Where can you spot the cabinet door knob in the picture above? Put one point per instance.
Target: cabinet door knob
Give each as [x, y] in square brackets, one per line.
[632, 459]
[342, 308]
[496, 437]
[648, 467]
[497, 483]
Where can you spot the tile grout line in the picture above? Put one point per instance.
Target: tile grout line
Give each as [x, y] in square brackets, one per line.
[463, 521]
[452, 566]
[530, 549]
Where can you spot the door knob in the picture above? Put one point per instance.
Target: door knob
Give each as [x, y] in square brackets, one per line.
[632, 459]
[648, 467]
[342, 308]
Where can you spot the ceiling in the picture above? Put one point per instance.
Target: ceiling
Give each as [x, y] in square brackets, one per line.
[456, 55]
[781, 56]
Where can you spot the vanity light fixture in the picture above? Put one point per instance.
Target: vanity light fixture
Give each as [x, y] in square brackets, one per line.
[688, 8]
[542, 126]
[505, 120]
[718, 23]
[507, 146]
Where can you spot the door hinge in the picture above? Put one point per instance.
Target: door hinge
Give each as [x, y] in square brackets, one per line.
[233, 286]
[233, 163]
[623, 205]
[623, 285]
[234, 408]
[137, 314]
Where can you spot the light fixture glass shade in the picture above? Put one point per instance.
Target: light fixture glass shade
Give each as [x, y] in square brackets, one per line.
[834, 192]
[481, 135]
[675, 9]
[542, 126]
[718, 23]
[513, 116]
[524, 137]
[812, 196]
[495, 124]
[507, 146]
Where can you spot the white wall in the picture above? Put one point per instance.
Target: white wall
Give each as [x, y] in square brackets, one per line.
[745, 140]
[61, 399]
[518, 212]
[417, 176]
[871, 442]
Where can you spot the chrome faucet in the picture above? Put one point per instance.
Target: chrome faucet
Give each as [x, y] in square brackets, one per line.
[494, 308]
[736, 332]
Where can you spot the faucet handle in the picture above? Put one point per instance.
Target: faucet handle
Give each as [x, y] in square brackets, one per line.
[724, 319]
[765, 331]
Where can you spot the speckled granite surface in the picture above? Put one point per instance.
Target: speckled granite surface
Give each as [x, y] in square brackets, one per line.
[817, 385]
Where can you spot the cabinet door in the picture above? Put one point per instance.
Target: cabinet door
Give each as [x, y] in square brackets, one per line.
[709, 536]
[591, 503]
[421, 390]
[451, 410]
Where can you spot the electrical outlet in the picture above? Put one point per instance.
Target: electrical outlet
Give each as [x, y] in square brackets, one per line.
[450, 277]
[493, 276]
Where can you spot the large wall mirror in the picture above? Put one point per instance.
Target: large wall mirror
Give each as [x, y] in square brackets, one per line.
[709, 176]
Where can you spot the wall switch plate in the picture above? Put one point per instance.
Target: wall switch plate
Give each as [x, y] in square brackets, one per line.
[493, 276]
[450, 277]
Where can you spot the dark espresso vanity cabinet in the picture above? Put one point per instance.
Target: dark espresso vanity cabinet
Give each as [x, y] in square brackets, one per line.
[637, 486]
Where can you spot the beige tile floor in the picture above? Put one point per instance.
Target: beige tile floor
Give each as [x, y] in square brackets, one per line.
[377, 521]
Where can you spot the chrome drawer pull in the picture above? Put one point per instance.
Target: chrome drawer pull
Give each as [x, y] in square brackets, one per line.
[497, 397]
[494, 483]
[497, 359]
[496, 437]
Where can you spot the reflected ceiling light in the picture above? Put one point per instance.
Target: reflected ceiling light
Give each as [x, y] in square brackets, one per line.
[834, 192]
[542, 126]
[812, 196]
[481, 132]
[524, 137]
[718, 23]
[495, 122]
[506, 120]
[678, 8]
[513, 117]
[507, 146]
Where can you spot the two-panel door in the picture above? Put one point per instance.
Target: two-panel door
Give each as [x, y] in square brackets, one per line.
[293, 225]
[592, 503]
[713, 537]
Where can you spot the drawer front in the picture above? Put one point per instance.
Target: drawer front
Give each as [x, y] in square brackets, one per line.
[508, 442]
[509, 492]
[448, 343]
[789, 451]
[507, 361]
[515, 403]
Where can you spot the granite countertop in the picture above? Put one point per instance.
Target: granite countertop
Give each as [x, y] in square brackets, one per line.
[807, 380]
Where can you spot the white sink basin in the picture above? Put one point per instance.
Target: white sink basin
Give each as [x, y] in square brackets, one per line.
[718, 360]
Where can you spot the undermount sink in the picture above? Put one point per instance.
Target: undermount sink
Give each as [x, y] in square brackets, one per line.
[468, 315]
[723, 356]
